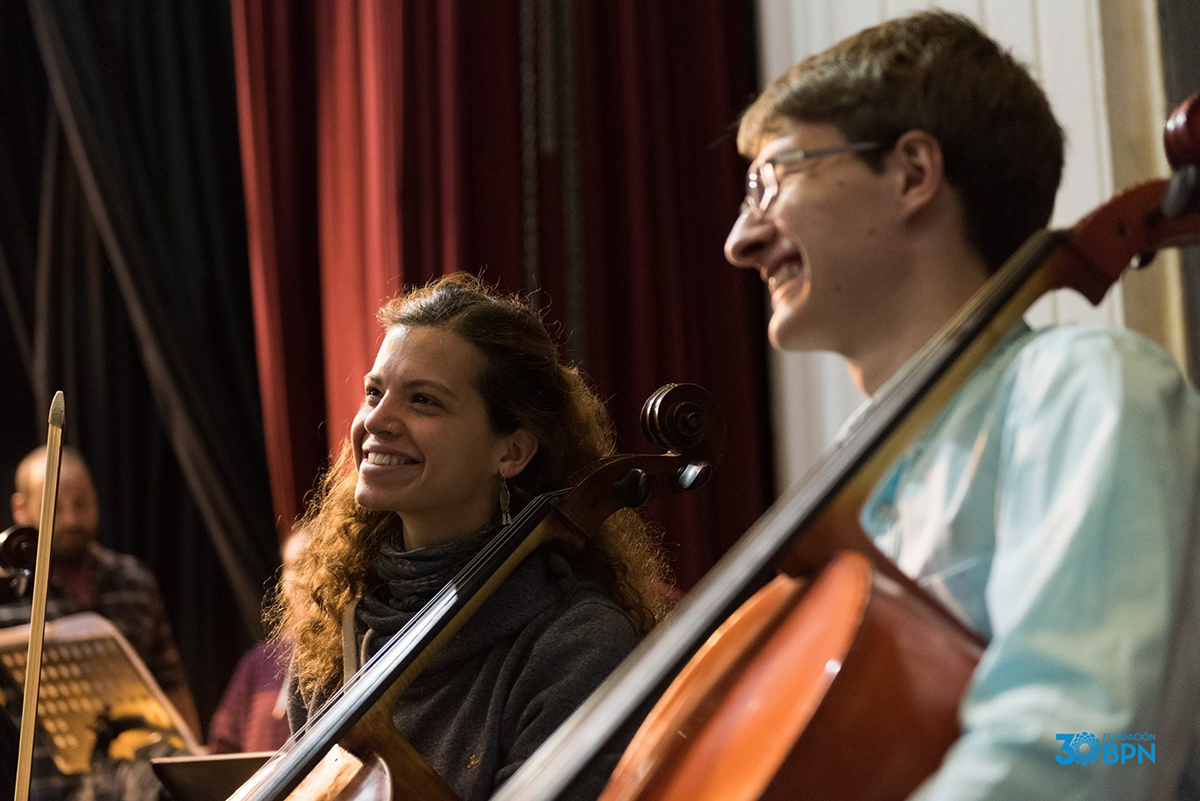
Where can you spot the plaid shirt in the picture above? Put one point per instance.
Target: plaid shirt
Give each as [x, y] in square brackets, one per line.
[125, 593]
[252, 715]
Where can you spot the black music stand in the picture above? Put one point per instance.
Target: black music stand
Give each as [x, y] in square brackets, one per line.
[91, 674]
[207, 778]
[10, 739]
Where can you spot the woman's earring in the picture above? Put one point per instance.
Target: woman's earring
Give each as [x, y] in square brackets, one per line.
[505, 500]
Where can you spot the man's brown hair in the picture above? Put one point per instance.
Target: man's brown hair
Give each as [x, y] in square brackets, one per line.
[939, 73]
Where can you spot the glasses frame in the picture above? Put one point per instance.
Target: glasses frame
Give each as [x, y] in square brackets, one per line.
[766, 175]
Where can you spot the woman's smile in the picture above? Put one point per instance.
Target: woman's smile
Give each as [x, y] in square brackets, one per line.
[375, 458]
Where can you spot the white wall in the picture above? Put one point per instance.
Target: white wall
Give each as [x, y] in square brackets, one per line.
[1062, 43]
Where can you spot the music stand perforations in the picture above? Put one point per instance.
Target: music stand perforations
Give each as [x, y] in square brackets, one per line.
[90, 672]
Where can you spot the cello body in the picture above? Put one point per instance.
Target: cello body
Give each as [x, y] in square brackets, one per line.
[844, 687]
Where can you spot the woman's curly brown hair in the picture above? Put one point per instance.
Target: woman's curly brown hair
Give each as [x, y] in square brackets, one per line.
[524, 384]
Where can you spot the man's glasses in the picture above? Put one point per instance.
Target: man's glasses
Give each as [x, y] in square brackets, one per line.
[762, 185]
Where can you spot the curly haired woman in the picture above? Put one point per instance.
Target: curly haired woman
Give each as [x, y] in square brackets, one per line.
[469, 406]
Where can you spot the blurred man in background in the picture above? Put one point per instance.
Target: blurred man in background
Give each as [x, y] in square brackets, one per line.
[87, 577]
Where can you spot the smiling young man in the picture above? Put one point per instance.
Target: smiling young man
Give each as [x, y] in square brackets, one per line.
[1050, 504]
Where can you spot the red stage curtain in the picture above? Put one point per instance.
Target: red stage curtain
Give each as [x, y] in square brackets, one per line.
[660, 85]
[273, 43]
[423, 166]
[356, 177]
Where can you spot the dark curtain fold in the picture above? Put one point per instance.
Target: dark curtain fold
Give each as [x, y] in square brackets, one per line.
[582, 148]
[22, 132]
[134, 297]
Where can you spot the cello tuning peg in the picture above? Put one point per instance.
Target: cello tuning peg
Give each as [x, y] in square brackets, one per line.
[1183, 192]
[634, 489]
[694, 475]
[18, 548]
[1142, 260]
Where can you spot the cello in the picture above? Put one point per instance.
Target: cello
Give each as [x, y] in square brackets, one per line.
[350, 748]
[797, 661]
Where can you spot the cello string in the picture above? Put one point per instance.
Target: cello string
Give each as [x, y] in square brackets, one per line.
[475, 567]
[295, 750]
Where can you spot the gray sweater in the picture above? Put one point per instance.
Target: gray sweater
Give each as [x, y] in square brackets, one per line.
[528, 658]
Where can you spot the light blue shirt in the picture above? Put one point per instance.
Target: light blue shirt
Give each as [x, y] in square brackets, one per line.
[1051, 506]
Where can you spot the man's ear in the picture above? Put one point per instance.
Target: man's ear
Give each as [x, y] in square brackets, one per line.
[918, 158]
[520, 448]
[20, 509]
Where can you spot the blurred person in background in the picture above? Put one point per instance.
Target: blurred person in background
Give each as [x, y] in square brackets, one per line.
[252, 715]
[87, 577]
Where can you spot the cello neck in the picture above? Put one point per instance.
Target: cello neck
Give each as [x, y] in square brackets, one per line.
[380, 681]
